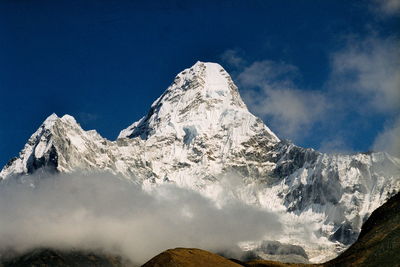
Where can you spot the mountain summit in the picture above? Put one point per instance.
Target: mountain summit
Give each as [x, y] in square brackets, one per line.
[200, 135]
[202, 100]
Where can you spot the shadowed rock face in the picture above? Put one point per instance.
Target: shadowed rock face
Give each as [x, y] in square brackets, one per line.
[277, 248]
[274, 251]
[379, 241]
[344, 234]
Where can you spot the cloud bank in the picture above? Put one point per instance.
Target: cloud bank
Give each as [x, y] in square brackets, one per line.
[107, 213]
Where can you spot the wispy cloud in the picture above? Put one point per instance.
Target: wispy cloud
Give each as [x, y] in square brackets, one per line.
[268, 73]
[87, 117]
[232, 57]
[389, 139]
[386, 7]
[364, 82]
[367, 72]
[335, 144]
[370, 68]
[272, 95]
[270, 91]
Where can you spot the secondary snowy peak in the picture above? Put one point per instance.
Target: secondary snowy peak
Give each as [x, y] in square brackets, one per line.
[39, 145]
[55, 145]
[201, 100]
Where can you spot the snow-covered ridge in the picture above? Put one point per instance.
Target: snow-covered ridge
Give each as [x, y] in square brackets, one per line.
[199, 134]
[202, 100]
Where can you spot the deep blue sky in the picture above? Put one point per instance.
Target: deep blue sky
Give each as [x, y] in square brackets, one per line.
[105, 62]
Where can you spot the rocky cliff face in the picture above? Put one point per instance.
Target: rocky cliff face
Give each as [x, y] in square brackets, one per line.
[199, 134]
[379, 241]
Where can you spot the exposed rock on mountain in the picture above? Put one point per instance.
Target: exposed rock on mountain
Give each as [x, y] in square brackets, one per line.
[276, 251]
[200, 135]
[379, 240]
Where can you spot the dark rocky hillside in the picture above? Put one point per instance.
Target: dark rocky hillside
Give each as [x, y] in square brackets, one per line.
[56, 258]
[379, 240]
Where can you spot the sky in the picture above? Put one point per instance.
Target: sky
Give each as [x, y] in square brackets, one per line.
[324, 74]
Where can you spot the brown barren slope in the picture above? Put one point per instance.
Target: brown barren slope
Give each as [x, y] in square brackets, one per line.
[193, 257]
[189, 257]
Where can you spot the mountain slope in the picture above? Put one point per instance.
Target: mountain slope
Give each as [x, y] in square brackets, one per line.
[379, 240]
[56, 258]
[200, 135]
[189, 257]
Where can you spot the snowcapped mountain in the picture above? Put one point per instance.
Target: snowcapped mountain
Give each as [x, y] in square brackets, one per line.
[200, 135]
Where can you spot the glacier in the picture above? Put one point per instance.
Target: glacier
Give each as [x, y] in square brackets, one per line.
[200, 135]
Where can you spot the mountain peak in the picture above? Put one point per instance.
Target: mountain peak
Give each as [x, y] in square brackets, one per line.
[207, 76]
[202, 99]
[40, 149]
[49, 121]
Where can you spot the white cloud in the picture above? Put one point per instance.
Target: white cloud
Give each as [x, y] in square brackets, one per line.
[389, 139]
[369, 68]
[232, 58]
[291, 112]
[387, 7]
[108, 213]
[270, 93]
[336, 144]
[364, 82]
[87, 117]
[268, 73]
